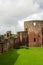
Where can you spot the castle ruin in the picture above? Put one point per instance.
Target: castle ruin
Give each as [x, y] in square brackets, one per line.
[31, 36]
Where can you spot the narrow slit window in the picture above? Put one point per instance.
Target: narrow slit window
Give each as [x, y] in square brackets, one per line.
[34, 39]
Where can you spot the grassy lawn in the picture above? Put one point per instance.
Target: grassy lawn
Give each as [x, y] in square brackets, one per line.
[30, 56]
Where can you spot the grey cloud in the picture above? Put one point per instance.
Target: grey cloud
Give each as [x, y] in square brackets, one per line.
[11, 11]
[40, 2]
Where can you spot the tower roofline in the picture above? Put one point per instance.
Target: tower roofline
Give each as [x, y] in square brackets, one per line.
[33, 21]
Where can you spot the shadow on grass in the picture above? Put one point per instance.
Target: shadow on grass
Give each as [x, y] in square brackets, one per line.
[9, 58]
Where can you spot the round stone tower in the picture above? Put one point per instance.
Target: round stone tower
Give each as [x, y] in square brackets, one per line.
[35, 32]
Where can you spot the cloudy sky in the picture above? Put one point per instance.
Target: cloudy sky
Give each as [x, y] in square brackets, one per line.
[13, 13]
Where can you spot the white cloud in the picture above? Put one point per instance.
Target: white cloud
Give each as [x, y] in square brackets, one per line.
[21, 25]
[13, 11]
[36, 16]
[4, 29]
[17, 7]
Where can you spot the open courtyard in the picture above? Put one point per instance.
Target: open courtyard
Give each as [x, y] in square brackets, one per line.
[23, 56]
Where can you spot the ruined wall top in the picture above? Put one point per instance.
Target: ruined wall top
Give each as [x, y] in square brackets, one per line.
[33, 25]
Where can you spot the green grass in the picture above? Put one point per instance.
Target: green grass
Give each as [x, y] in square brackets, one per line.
[30, 56]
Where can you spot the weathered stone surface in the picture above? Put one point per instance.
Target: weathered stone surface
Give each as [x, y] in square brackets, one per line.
[31, 36]
[35, 32]
[23, 35]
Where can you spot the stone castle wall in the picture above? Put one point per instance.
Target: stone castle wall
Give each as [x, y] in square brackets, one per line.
[35, 31]
[31, 36]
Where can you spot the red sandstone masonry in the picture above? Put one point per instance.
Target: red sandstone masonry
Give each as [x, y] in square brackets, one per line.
[38, 38]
